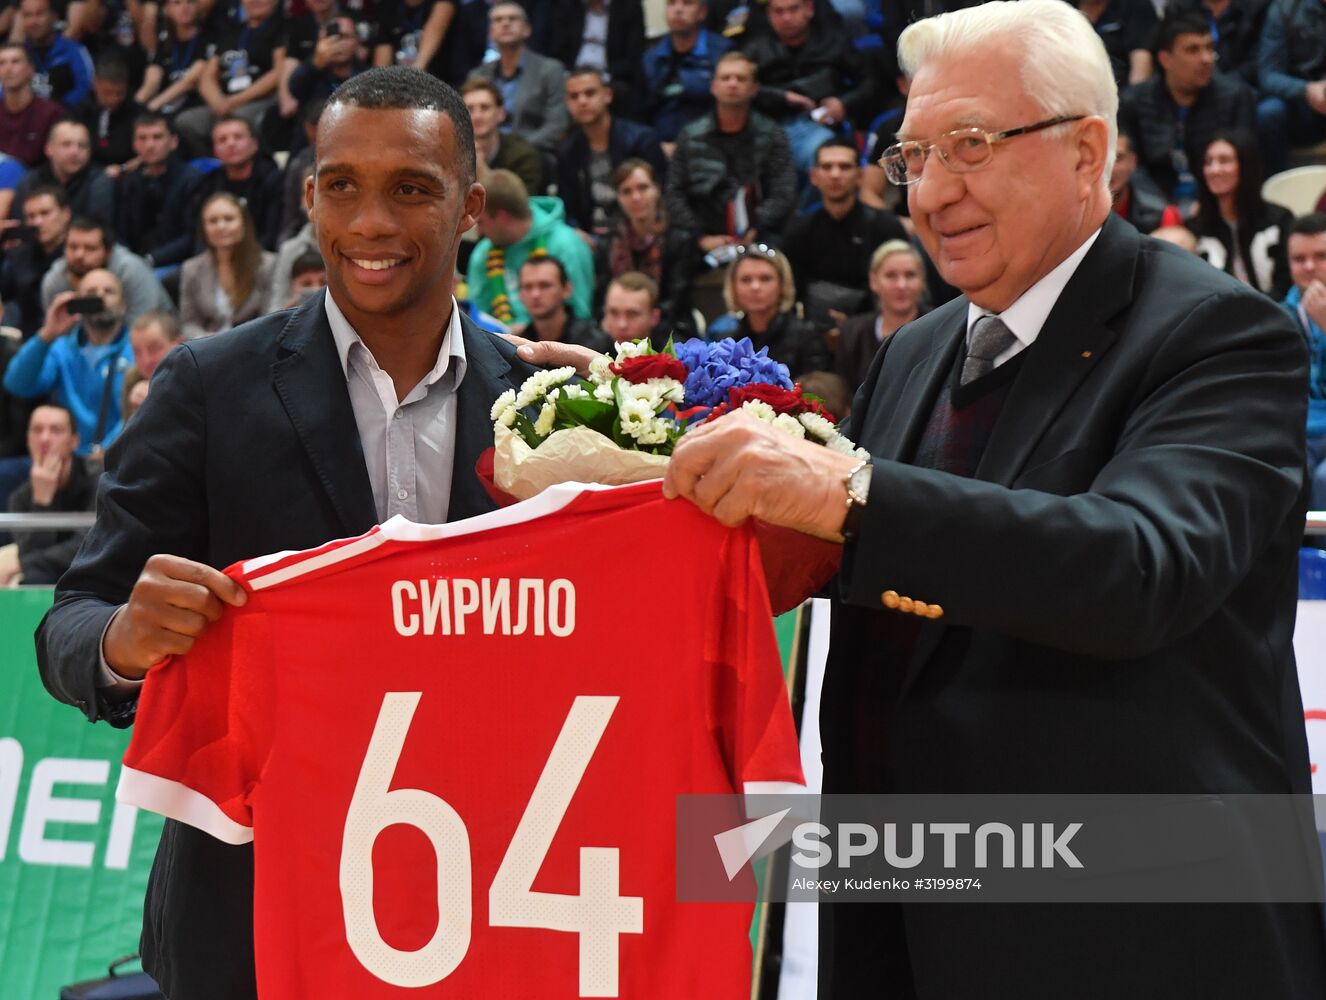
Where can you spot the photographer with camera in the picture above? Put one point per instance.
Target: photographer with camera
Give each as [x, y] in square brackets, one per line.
[78, 358]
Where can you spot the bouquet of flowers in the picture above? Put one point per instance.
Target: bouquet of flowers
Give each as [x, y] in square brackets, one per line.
[621, 426]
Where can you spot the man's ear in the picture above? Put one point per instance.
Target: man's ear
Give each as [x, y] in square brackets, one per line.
[475, 199]
[309, 199]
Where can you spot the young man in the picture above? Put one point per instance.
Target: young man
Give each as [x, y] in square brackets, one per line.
[514, 227]
[677, 69]
[46, 212]
[498, 150]
[60, 480]
[830, 248]
[630, 307]
[25, 118]
[80, 362]
[154, 201]
[63, 68]
[90, 245]
[69, 165]
[1306, 302]
[596, 144]
[325, 390]
[545, 291]
[109, 114]
[246, 173]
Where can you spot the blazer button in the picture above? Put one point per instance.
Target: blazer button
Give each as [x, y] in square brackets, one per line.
[889, 599]
[934, 611]
[905, 604]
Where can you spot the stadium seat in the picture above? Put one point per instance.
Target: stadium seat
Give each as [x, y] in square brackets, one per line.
[1297, 189]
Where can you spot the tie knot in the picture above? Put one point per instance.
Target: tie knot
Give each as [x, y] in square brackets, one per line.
[989, 338]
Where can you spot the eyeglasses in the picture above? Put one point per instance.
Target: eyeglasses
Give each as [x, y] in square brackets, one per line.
[961, 150]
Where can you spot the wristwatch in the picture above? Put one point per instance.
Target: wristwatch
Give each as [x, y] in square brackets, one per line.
[858, 489]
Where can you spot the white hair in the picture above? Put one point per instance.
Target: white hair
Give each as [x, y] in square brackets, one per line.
[1065, 68]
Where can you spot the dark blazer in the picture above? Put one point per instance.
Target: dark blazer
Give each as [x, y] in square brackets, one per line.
[1118, 586]
[247, 444]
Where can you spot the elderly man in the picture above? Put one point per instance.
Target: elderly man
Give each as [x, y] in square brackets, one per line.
[1068, 565]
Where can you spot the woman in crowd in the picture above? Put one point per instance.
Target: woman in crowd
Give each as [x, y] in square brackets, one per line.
[761, 299]
[1236, 230]
[897, 280]
[637, 240]
[231, 281]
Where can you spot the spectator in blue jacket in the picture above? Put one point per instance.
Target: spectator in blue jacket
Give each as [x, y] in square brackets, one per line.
[596, 144]
[677, 70]
[79, 365]
[63, 67]
[1306, 302]
[1291, 74]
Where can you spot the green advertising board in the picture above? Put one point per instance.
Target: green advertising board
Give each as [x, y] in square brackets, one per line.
[73, 863]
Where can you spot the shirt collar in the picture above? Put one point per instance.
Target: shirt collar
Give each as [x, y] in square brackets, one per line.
[453, 343]
[1025, 317]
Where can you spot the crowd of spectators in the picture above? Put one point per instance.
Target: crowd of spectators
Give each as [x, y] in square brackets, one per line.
[719, 180]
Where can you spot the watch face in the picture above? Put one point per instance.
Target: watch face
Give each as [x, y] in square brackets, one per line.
[860, 483]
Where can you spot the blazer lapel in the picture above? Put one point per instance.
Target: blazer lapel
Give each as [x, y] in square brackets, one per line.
[484, 381]
[310, 382]
[906, 421]
[1072, 342]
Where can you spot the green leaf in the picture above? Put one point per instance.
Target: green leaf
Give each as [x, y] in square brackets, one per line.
[525, 428]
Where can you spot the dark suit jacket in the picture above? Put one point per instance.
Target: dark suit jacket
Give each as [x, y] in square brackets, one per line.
[1118, 585]
[246, 445]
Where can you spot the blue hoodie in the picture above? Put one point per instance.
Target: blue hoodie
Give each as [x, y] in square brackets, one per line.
[1317, 371]
[75, 374]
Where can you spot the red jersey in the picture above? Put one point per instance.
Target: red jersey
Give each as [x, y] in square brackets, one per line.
[457, 749]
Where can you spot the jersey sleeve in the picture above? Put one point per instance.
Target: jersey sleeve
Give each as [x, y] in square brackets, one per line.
[750, 711]
[203, 730]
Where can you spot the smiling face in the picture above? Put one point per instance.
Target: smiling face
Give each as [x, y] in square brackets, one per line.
[898, 282]
[1220, 168]
[389, 202]
[996, 231]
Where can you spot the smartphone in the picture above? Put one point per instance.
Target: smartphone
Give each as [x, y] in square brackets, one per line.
[333, 30]
[21, 233]
[88, 305]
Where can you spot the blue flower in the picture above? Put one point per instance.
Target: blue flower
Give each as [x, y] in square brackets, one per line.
[726, 364]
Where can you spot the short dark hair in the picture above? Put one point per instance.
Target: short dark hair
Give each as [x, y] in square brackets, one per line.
[306, 263]
[231, 119]
[20, 48]
[52, 404]
[401, 88]
[594, 71]
[545, 258]
[112, 68]
[87, 224]
[1184, 22]
[837, 142]
[60, 195]
[149, 119]
[1312, 224]
[482, 83]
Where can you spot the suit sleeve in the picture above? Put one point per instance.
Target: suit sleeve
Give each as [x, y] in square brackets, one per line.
[151, 499]
[1205, 469]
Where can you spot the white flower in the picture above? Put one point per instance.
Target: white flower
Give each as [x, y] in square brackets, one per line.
[604, 394]
[759, 409]
[599, 372]
[544, 425]
[508, 416]
[632, 349]
[636, 415]
[538, 384]
[789, 423]
[574, 391]
[501, 403]
[669, 389]
[818, 427]
[844, 446]
[655, 432]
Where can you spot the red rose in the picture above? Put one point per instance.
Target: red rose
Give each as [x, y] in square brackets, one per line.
[781, 400]
[642, 369]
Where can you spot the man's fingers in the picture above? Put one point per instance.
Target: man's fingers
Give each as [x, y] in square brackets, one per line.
[548, 354]
[182, 621]
[211, 580]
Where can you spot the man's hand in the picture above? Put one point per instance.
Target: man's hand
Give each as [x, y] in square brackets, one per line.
[799, 101]
[171, 605]
[739, 467]
[1314, 302]
[834, 111]
[47, 471]
[1316, 96]
[59, 320]
[552, 353]
[710, 243]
